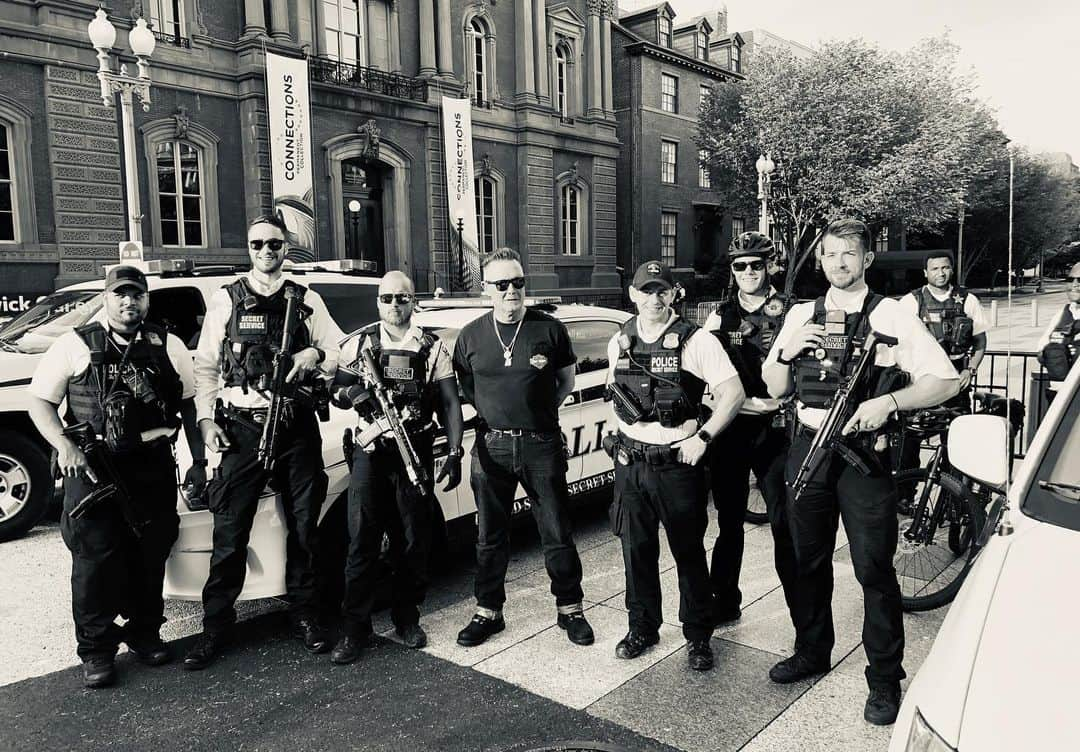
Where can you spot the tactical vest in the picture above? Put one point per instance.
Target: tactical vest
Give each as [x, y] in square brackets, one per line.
[653, 373]
[747, 337]
[947, 321]
[1060, 352]
[148, 376]
[405, 373]
[253, 333]
[819, 372]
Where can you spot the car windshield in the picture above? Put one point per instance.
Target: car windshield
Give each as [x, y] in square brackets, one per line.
[352, 306]
[1054, 497]
[36, 329]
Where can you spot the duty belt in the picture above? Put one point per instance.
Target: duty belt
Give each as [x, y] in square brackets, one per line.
[625, 450]
[252, 418]
[519, 432]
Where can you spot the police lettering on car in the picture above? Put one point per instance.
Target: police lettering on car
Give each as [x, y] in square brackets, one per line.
[757, 438]
[1060, 343]
[385, 494]
[814, 353]
[128, 386]
[241, 335]
[660, 367]
[516, 367]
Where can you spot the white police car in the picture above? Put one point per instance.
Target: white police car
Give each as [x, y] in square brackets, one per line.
[584, 418]
[1001, 675]
[178, 295]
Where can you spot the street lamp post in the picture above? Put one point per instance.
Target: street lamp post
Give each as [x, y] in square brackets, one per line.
[765, 167]
[354, 211]
[103, 37]
[960, 246]
[461, 246]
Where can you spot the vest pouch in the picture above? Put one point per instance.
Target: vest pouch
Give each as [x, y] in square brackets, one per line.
[626, 405]
[121, 422]
[139, 385]
[669, 406]
[259, 364]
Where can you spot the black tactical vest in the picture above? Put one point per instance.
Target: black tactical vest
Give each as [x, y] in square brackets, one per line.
[253, 332]
[819, 372]
[147, 375]
[1063, 340]
[946, 320]
[747, 337]
[404, 372]
[653, 372]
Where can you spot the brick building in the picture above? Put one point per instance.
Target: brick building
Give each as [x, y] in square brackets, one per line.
[544, 133]
[663, 71]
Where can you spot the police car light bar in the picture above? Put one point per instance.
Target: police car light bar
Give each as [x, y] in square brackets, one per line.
[473, 300]
[345, 266]
[158, 266]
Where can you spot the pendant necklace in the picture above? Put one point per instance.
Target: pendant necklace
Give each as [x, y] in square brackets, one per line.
[508, 350]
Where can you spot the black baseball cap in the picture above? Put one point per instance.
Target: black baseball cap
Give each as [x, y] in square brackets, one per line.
[125, 276]
[653, 272]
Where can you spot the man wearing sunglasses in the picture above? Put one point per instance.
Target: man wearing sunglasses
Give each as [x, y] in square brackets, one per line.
[757, 438]
[240, 335]
[660, 368]
[1059, 344]
[416, 367]
[814, 352]
[516, 367]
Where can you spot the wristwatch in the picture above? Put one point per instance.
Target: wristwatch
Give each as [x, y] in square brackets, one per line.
[454, 452]
[704, 435]
[199, 463]
[782, 360]
[322, 355]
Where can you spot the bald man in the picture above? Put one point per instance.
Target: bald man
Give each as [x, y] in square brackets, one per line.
[416, 366]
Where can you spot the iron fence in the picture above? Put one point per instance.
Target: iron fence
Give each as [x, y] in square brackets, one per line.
[328, 71]
[1018, 376]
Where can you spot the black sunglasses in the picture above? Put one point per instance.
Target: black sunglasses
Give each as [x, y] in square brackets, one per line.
[274, 244]
[1072, 280]
[398, 297]
[503, 284]
[740, 266]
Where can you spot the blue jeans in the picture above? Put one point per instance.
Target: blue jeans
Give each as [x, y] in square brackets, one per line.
[537, 461]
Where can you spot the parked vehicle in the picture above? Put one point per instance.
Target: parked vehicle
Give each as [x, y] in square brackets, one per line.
[1000, 675]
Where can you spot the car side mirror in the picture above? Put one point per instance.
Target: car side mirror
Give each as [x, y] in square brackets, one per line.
[980, 447]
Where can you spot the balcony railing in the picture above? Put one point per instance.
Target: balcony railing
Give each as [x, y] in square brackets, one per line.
[172, 39]
[329, 71]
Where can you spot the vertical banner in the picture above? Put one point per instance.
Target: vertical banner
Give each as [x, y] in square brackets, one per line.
[460, 193]
[288, 107]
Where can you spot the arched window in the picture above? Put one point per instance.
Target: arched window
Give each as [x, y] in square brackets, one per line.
[562, 80]
[487, 218]
[18, 220]
[182, 164]
[571, 220]
[477, 35]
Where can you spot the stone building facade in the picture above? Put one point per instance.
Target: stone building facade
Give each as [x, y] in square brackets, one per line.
[663, 70]
[544, 133]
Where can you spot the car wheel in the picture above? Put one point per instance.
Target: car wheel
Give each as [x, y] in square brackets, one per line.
[25, 487]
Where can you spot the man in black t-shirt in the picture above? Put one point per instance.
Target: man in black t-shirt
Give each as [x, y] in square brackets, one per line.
[516, 367]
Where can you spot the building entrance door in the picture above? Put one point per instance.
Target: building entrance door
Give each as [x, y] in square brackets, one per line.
[708, 235]
[362, 192]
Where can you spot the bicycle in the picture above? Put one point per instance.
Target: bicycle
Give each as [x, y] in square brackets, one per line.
[943, 530]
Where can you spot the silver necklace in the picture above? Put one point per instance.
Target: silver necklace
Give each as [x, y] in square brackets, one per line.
[508, 350]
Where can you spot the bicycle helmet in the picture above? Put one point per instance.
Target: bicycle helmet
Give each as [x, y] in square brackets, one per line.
[754, 244]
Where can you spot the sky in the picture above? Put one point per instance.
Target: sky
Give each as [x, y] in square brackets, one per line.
[1026, 55]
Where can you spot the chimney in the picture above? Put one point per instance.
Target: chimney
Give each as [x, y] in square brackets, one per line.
[721, 21]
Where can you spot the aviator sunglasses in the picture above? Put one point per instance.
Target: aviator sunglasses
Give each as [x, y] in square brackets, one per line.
[395, 297]
[502, 285]
[274, 244]
[741, 266]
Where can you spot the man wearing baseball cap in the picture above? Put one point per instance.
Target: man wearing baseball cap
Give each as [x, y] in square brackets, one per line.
[660, 367]
[132, 383]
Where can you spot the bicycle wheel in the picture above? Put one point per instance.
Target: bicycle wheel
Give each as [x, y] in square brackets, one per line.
[935, 551]
[756, 514]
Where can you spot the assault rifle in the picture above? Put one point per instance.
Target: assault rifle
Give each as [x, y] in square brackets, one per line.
[102, 474]
[277, 386]
[828, 438]
[415, 470]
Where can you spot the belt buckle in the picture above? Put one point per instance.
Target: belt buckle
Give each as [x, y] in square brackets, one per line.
[622, 456]
[258, 417]
[515, 432]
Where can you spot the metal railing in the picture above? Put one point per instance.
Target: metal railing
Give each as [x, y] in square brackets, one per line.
[172, 39]
[1019, 376]
[328, 71]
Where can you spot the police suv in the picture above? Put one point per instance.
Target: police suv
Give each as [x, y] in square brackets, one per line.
[178, 297]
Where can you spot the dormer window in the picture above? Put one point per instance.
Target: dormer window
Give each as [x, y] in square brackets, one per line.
[665, 31]
[736, 57]
[702, 45]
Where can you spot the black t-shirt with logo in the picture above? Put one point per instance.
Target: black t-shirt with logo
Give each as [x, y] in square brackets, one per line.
[521, 395]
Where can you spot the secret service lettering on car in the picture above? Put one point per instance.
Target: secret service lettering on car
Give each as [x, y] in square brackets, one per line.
[577, 448]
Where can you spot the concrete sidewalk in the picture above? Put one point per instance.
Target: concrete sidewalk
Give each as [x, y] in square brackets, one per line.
[730, 708]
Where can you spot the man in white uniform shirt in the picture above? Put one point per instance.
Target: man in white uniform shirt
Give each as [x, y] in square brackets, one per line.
[240, 334]
[660, 367]
[814, 353]
[1059, 344]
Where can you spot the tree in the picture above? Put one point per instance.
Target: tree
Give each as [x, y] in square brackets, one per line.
[854, 131]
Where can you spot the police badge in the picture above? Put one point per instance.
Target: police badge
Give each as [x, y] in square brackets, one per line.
[774, 307]
[671, 341]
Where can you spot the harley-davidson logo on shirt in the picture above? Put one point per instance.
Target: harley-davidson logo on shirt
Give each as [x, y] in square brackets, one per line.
[538, 361]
